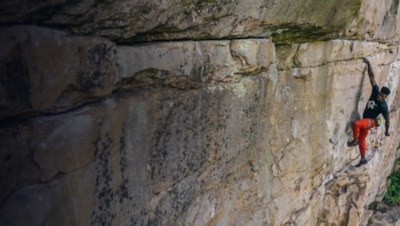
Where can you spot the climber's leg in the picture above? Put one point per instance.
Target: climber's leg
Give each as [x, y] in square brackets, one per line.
[357, 126]
[361, 141]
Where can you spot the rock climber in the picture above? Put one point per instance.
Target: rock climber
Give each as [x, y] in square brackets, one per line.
[376, 105]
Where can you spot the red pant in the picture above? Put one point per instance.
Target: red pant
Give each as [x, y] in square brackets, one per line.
[360, 132]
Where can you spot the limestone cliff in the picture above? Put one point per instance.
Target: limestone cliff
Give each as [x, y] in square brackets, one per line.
[198, 112]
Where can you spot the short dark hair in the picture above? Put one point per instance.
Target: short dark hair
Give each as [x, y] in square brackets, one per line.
[385, 90]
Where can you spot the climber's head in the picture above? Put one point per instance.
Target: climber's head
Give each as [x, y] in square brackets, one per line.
[385, 91]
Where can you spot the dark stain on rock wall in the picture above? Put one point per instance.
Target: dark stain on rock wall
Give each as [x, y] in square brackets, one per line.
[123, 188]
[15, 79]
[176, 203]
[103, 213]
[99, 61]
[178, 134]
[394, 7]
[198, 131]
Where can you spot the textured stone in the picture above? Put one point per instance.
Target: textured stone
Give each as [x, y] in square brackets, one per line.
[126, 21]
[122, 168]
[376, 20]
[47, 70]
[385, 215]
[248, 131]
[189, 64]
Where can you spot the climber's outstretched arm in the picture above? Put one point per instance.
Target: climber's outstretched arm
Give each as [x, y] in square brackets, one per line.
[387, 124]
[371, 74]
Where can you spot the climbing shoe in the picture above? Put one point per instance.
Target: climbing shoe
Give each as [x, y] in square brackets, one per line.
[352, 143]
[362, 162]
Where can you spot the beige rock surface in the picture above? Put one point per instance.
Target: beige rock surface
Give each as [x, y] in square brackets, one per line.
[287, 21]
[248, 131]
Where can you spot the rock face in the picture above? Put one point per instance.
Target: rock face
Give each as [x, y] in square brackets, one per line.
[385, 215]
[45, 70]
[238, 115]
